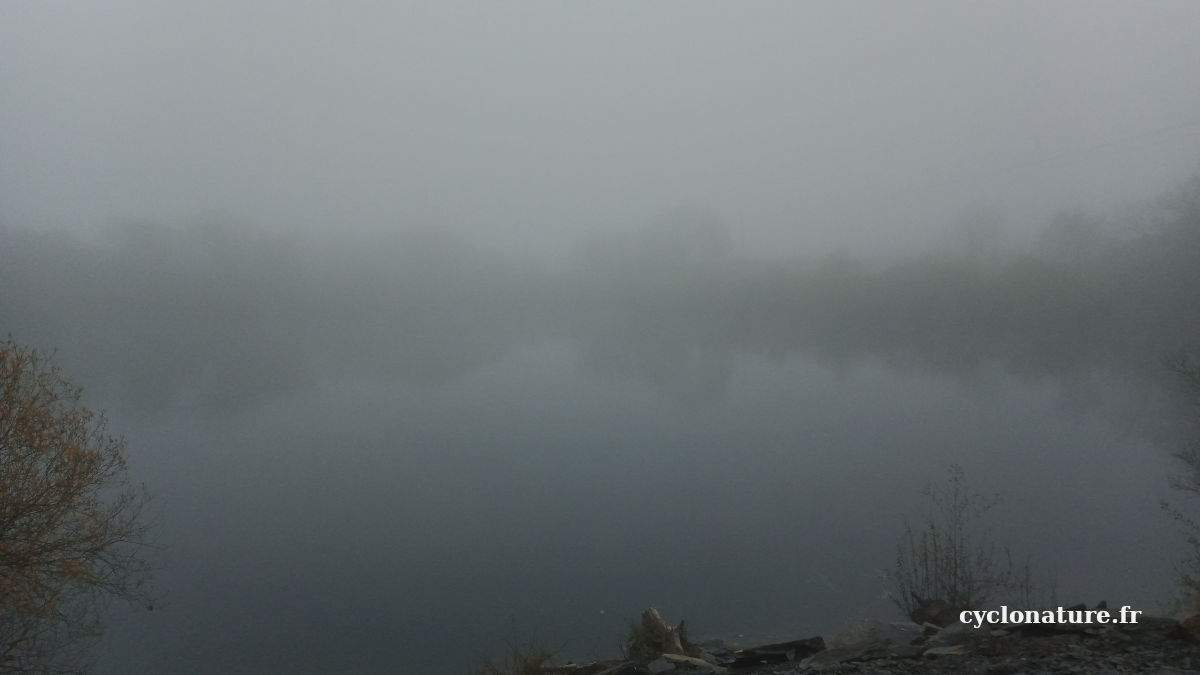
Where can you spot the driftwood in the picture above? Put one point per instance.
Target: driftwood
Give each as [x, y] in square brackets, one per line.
[654, 636]
[778, 652]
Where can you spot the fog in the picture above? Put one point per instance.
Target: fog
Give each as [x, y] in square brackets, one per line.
[863, 127]
[435, 327]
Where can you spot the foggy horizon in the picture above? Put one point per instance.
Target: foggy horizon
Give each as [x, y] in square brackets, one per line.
[866, 128]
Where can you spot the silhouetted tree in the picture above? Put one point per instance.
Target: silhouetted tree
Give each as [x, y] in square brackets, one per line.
[72, 532]
[1187, 479]
[1187, 372]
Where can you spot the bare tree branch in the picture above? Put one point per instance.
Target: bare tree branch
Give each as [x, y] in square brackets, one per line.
[72, 528]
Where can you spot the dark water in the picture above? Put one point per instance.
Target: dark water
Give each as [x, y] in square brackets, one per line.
[401, 456]
[366, 527]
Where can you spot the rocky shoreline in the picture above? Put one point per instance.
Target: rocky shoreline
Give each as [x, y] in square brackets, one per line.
[1152, 645]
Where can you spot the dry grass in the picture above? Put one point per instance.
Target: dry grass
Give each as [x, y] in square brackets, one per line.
[521, 659]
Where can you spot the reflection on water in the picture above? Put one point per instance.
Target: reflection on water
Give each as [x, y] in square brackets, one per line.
[408, 450]
[372, 524]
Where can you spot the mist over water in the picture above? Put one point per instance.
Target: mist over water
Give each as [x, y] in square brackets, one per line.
[563, 512]
[368, 452]
[437, 328]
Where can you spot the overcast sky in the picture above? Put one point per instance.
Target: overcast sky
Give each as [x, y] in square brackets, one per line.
[804, 126]
[372, 436]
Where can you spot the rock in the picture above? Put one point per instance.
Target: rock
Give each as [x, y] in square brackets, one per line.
[959, 634]
[860, 634]
[660, 665]
[905, 632]
[871, 632]
[627, 668]
[1153, 625]
[592, 668]
[778, 652]
[1152, 645]
[903, 639]
[691, 664]
[906, 651]
[837, 655]
[937, 612]
[716, 651]
[1189, 628]
[667, 663]
[946, 651]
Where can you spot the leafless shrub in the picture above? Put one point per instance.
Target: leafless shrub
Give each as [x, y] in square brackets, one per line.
[949, 556]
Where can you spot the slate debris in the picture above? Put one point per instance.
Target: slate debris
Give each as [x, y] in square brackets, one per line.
[1153, 645]
[779, 652]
